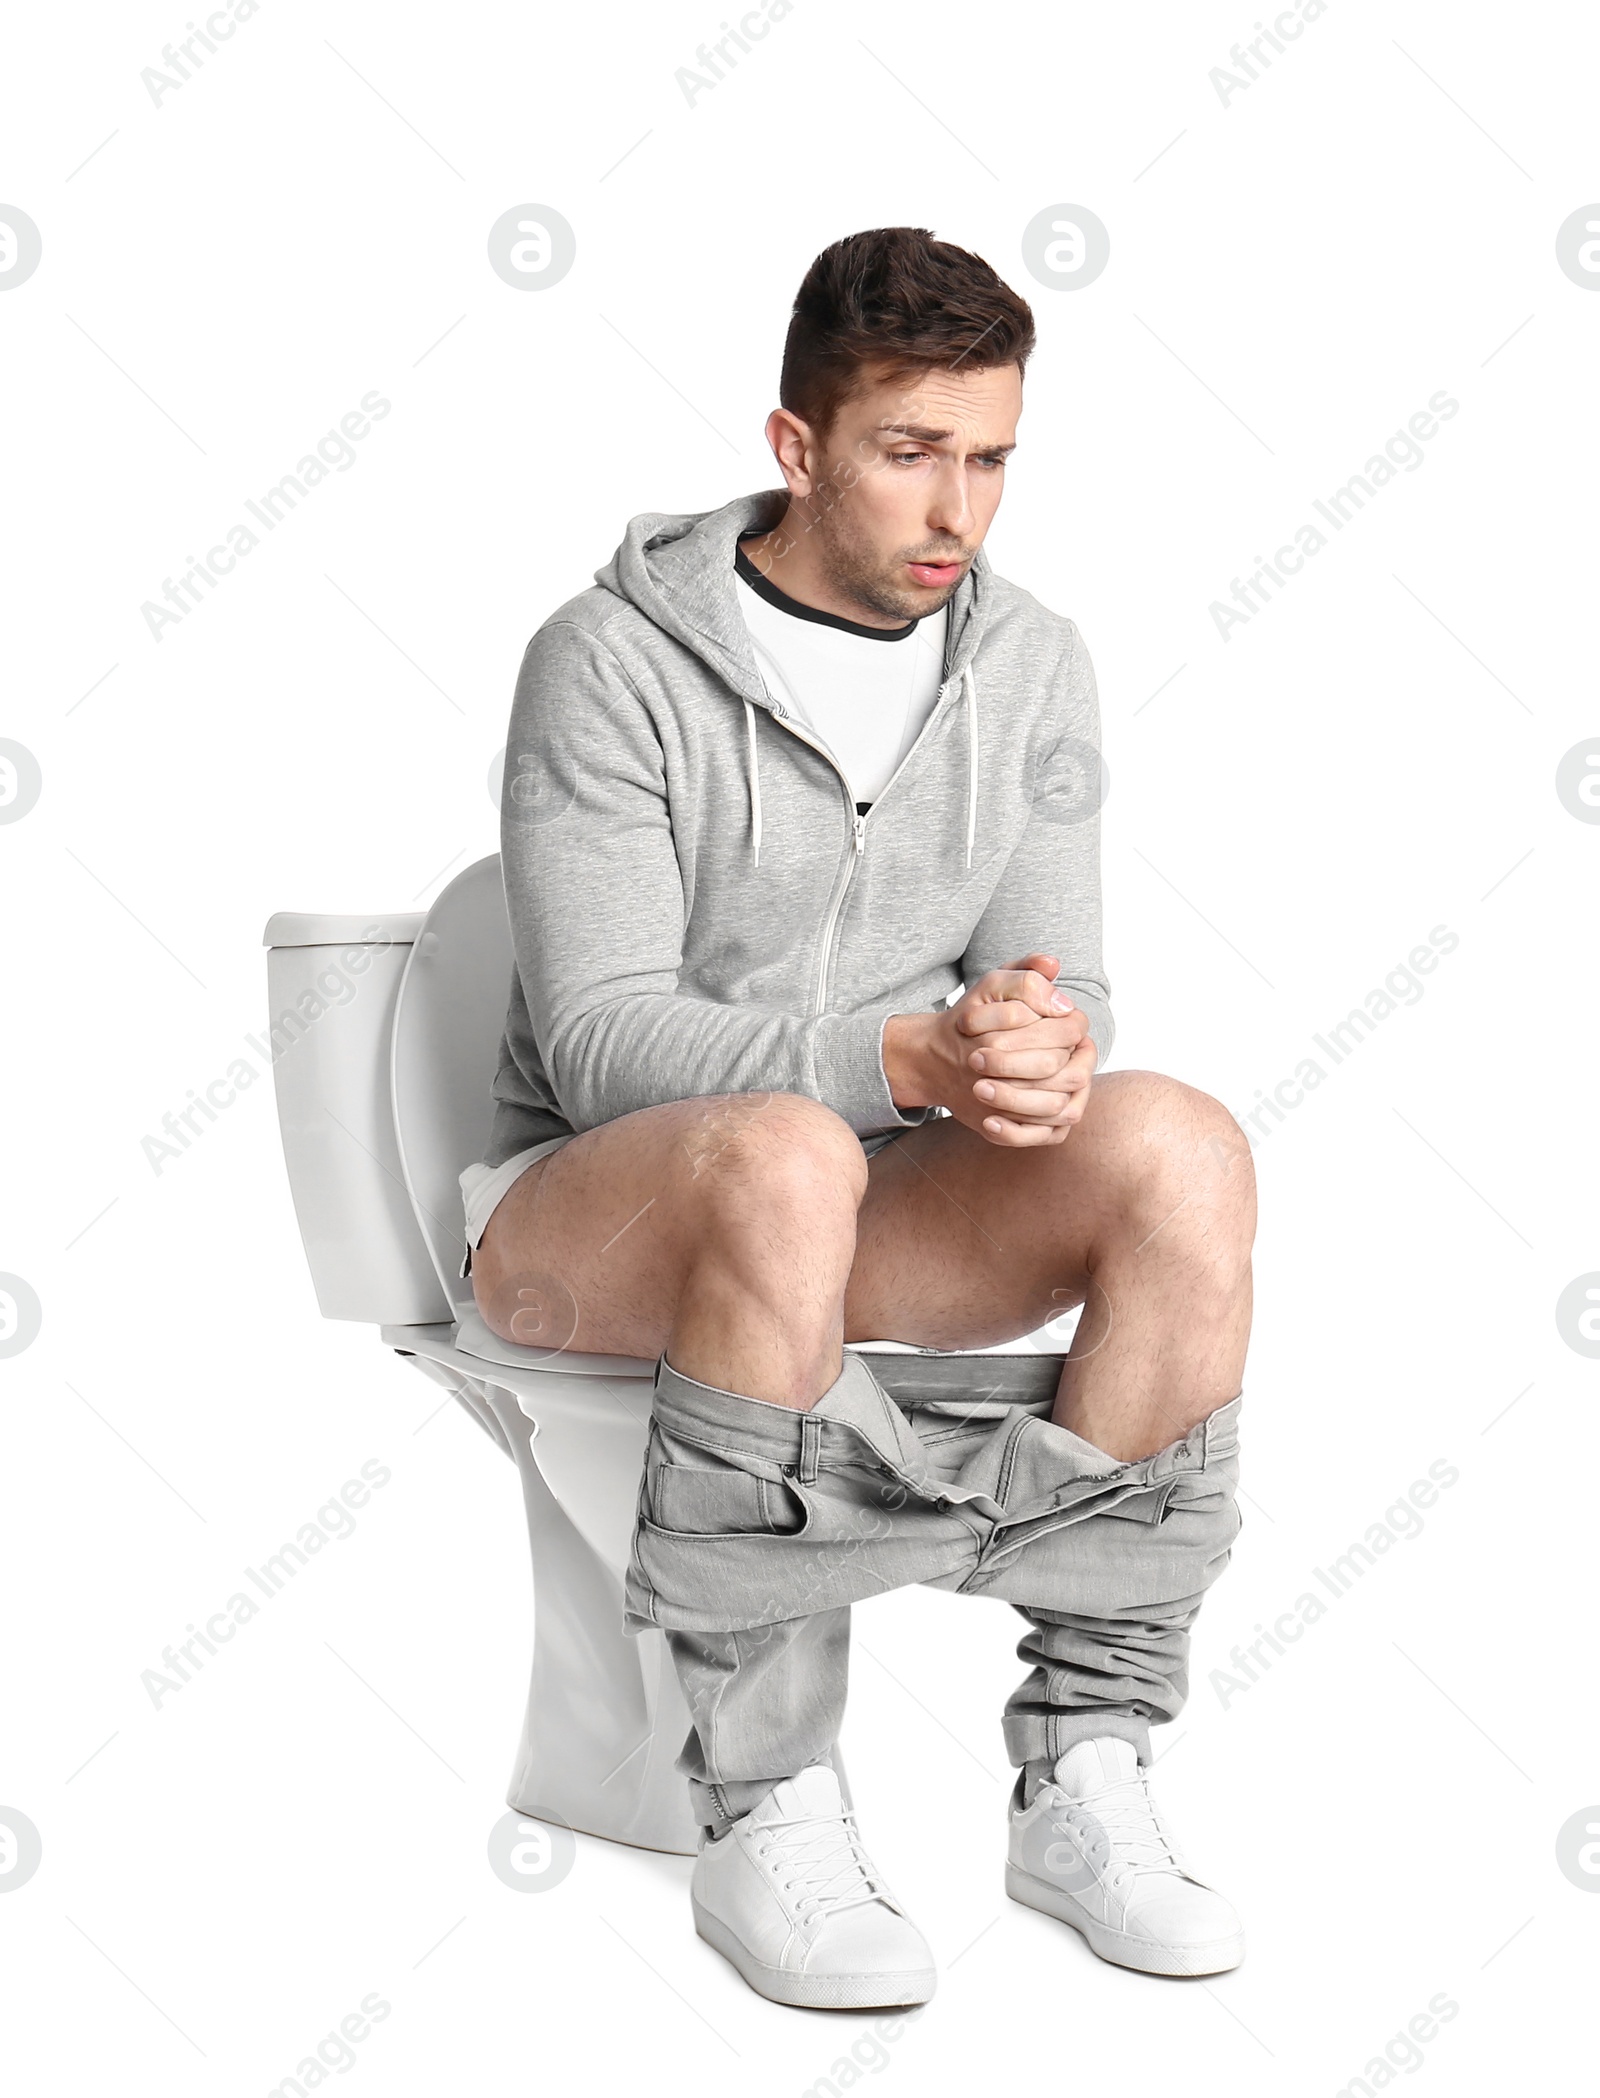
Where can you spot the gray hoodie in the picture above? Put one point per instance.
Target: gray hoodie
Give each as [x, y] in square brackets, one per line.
[695, 905]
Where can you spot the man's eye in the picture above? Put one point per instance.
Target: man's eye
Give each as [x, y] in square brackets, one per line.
[978, 458]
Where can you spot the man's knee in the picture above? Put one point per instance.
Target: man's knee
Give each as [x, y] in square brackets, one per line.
[1173, 1149]
[777, 1154]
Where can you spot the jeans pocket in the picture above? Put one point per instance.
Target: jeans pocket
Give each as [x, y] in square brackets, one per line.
[724, 1502]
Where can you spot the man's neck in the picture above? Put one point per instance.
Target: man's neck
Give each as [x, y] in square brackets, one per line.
[798, 573]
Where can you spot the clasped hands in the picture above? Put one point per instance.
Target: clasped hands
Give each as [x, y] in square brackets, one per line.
[1012, 1058]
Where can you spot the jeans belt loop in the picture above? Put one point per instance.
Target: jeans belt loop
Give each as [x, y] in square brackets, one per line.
[810, 1447]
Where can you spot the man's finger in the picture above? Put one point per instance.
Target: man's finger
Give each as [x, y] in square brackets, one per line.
[1018, 1011]
[995, 1060]
[1012, 1027]
[1029, 1103]
[1023, 986]
[1022, 1136]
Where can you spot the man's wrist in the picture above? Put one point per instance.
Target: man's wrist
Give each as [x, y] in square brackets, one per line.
[905, 1061]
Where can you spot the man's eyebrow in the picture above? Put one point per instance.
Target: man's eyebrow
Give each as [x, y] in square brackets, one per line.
[924, 435]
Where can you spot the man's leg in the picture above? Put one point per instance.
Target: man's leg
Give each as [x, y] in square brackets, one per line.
[718, 1235]
[1145, 1216]
[718, 1229]
[715, 1234]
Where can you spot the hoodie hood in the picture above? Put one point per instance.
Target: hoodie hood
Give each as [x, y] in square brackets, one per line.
[677, 569]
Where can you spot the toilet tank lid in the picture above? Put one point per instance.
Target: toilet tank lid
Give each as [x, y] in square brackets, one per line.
[342, 929]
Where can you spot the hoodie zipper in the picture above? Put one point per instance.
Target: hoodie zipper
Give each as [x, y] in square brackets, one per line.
[858, 833]
[858, 827]
[852, 854]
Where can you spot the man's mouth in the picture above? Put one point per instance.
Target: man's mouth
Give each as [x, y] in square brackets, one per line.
[935, 575]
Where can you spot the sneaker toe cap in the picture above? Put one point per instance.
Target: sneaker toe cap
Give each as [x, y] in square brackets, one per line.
[868, 1940]
[1195, 1917]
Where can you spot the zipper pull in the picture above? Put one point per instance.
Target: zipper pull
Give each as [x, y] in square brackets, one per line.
[860, 823]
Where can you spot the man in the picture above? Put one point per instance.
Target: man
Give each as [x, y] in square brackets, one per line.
[792, 774]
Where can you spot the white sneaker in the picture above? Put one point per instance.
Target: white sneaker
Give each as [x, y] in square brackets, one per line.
[790, 1897]
[1093, 1850]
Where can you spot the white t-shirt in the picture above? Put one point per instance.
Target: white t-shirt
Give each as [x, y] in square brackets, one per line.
[863, 691]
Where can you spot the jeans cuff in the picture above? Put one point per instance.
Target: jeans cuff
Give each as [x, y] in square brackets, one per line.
[718, 1806]
[1035, 1742]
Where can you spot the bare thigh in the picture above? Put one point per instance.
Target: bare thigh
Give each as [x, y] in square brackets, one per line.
[961, 1243]
[958, 1243]
[591, 1248]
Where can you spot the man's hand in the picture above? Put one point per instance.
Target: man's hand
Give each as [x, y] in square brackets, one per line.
[1011, 1059]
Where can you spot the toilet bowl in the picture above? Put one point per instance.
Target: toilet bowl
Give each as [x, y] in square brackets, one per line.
[386, 1032]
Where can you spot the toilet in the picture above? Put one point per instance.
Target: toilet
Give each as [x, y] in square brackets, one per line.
[385, 1034]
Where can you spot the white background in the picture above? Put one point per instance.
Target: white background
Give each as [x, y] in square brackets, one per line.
[1293, 274]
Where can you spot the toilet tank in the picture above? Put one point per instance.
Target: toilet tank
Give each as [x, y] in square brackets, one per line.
[332, 981]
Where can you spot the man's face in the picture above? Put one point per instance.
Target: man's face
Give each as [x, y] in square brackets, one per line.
[907, 482]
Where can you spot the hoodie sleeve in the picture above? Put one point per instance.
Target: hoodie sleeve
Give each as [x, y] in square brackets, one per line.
[1047, 901]
[595, 898]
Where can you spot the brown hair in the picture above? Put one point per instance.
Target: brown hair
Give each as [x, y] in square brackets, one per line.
[891, 303]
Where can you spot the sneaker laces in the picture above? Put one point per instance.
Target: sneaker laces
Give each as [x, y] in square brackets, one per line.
[1124, 1809]
[829, 1862]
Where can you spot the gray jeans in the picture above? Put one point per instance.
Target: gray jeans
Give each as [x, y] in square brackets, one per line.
[759, 1526]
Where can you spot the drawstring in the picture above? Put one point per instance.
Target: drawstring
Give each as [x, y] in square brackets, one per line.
[972, 760]
[972, 769]
[755, 783]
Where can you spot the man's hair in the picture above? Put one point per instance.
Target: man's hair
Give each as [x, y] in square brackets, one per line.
[891, 303]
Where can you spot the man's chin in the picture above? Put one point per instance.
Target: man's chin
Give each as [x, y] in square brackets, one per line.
[924, 598]
[901, 599]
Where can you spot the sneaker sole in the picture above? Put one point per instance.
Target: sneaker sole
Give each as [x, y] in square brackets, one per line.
[823, 1992]
[1117, 1946]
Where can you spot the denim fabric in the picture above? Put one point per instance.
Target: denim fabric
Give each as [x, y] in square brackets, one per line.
[759, 1526]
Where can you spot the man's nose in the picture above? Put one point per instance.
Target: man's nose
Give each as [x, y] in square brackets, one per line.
[950, 505]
